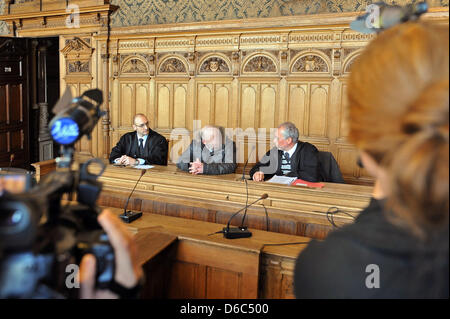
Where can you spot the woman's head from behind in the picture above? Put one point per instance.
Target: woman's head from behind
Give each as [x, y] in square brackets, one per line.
[398, 95]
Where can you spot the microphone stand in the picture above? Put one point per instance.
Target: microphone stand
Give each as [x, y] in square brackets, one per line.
[239, 232]
[246, 184]
[129, 216]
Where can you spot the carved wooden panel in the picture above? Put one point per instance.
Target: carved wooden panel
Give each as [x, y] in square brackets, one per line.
[171, 105]
[222, 109]
[248, 106]
[179, 106]
[213, 103]
[247, 78]
[317, 125]
[205, 111]
[214, 65]
[297, 105]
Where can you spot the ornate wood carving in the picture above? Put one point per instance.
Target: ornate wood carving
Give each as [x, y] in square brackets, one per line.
[172, 65]
[79, 67]
[53, 17]
[310, 63]
[260, 63]
[214, 65]
[77, 53]
[134, 66]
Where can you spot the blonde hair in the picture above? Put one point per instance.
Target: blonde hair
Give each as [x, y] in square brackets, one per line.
[398, 94]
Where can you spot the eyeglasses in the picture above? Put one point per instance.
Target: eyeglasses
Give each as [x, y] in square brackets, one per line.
[142, 125]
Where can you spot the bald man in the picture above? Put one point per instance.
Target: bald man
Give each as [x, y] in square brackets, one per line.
[143, 146]
[211, 154]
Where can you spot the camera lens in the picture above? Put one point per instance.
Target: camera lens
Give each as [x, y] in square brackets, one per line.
[65, 130]
[10, 218]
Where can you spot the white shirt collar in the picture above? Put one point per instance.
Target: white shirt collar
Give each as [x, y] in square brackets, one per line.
[144, 141]
[292, 150]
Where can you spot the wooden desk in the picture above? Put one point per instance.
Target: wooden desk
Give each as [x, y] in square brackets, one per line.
[292, 210]
[150, 242]
[168, 191]
[202, 266]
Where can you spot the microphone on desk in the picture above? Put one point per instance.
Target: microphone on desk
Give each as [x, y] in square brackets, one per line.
[239, 232]
[129, 216]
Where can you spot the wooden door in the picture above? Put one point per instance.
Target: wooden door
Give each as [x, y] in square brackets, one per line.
[14, 118]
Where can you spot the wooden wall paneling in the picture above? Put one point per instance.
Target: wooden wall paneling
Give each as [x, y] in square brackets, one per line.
[180, 106]
[318, 110]
[186, 280]
[269, 109]
[248, 106]
[205, 104]
[298, 105]
[277, 278]
[229, 273]
[294, 72]
[222, 110]
[78, 71]
[162, 114]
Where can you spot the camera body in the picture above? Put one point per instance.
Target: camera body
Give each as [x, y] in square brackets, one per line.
[40, 235]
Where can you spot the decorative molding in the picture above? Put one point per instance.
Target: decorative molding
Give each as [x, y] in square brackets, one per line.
[77, 54]
[349, 57]
[354, 36]
[39, 18]
[135, 44]
[173, 66]
[214, 64]
[78, 45]
[78, 67]
[301, 38]
[260, 64]
[309, 63]
[134, 66]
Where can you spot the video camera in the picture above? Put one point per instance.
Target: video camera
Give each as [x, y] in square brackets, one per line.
[39, 235]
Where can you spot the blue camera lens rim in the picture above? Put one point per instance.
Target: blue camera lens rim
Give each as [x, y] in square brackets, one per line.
[65, 131]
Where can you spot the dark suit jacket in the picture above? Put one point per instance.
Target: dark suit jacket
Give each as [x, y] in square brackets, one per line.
[329, 168]
[155, 149]
[304, 162]
[222, 162]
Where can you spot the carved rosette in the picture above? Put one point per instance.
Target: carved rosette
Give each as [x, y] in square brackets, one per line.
[260, 63]
[214, 65]
[172, 65]
[310, 63]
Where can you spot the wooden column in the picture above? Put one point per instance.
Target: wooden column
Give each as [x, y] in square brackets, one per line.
[105, 119]
[45, 140]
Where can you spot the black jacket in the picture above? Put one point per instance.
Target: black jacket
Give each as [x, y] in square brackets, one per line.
[221, 162]
[155, 149]
[342, 265]
[304, 162]
[329, 168]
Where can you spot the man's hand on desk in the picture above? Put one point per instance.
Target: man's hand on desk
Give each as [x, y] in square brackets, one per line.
[258, 177]
[196, 167]
[127, 269]
[126, 160]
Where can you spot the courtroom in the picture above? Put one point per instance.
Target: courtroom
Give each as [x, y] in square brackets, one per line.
[224, 150]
